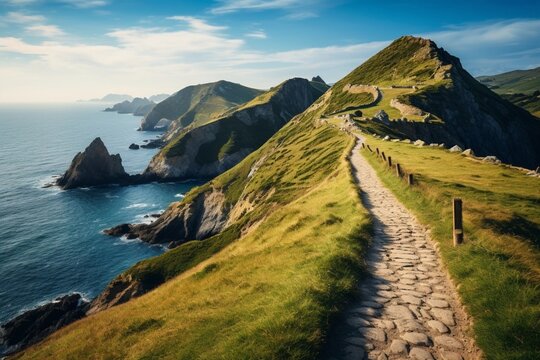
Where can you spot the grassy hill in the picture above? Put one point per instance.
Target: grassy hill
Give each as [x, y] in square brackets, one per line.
[197, 104]
[267, 286]
[529, 102]
[513, 82]
[497, 270]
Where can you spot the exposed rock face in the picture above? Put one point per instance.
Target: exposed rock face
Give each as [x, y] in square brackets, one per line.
[94, 166]
[318, 79]
[119, 291]
[134, 146]
[211, 149]
[200, 218]
[34, 325]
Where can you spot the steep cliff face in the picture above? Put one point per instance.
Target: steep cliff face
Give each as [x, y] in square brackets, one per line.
[137, 107]
[198, 103]
[211, 149]
[94, 166]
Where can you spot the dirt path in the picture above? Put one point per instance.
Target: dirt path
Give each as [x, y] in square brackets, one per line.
[409, 308]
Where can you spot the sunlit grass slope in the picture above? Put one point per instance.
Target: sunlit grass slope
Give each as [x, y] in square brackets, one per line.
[269, 287]
[498, 267]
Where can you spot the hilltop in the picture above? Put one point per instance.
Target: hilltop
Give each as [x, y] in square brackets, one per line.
[198, 104]
[418, 90]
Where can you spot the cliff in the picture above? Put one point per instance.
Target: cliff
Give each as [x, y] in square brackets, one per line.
[209, 150]
[137, 107]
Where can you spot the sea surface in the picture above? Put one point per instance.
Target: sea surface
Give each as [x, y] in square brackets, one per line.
[50, 240]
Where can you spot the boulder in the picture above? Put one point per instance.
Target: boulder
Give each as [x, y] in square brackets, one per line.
[468, 152]
[419, 143]
[386, 138]
[382, 116]
[94, 166]
[455, 148]
[134, 147]
[34, 325]
[154, 144]
[492, 159]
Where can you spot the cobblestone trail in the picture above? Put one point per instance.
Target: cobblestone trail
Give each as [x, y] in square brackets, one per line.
[409, 308]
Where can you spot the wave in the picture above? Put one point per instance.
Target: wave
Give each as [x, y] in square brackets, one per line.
[179, 195]
[140, 206]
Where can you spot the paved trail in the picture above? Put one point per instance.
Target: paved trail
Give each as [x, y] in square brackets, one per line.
[409, 308]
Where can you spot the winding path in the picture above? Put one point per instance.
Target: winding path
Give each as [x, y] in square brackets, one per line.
[408, 308]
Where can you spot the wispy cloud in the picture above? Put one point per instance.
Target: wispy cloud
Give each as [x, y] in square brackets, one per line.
[49, 31]
[82, 4]
[22, 18]
[257, 34]
[295, 9]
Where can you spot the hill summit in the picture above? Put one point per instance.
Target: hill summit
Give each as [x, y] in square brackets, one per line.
[420, 91]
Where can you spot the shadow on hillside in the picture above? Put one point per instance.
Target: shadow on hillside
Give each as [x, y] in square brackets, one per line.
[517, 226]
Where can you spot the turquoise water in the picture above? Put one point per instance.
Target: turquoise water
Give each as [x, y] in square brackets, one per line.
[50, 240]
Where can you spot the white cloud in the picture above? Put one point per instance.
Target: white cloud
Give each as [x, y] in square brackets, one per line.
[301, 15]
[22, 18]
[83, 4]
[257, 34]
[19, 2]
[146, 60]
[45, 30]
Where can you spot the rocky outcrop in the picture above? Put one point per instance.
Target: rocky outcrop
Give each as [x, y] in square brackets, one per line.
[405, 109]
[209, 150]
[203, 216]
[94, 166]
[318, 79]
[34, 325]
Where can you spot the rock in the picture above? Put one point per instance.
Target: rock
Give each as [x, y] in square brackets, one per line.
[455, 148]
[382, 116]
[419, 143]
[408, 325]
[468, 152]
[409, 299]
[94, 166]
[416, 338]
[406, 141]
[34, 325]
[353, 352]
[134, 147]
[399, 312]
[154, 144]
[450, 355]
[438, 303]
[420, 354]
[357, 322]
[448, 342]
[491, 159]
[445, 316]
[398, 347]
[437, 325]
[386, 138]
[318, 79]
[118, 230]
[374, 334]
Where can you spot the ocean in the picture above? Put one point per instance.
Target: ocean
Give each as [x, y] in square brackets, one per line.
[50, 240]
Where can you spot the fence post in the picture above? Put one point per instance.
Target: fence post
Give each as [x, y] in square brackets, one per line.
[410, 179]
[377, 151]
[390, 161]
[369, 148]
[363, 145]
[458, 221]
[398, 170]
[383, 156]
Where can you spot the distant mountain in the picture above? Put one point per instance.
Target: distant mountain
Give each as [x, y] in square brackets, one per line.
[111, 98]
[521, 87]
[513, 82]
[207, 150]
[420, 91]
[137, 107]
[198, 103]
[159, 97]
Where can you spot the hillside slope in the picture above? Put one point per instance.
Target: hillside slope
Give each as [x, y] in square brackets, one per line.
[428, 95]
[204, 151]
[266, 286]
[513, 82]
[198, 103]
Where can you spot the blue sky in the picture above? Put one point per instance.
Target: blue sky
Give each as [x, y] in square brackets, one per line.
[63, 50]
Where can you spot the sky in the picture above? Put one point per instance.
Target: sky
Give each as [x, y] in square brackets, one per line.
[65, 50]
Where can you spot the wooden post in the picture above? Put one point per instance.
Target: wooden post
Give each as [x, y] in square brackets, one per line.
[398, 170]
[377, 151]
[363, 145]
[383, 156]
[369, 148]
[410, 179]
[458, 221]
[390, 161]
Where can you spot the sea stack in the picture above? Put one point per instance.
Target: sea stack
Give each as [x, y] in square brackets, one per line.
[94, 166]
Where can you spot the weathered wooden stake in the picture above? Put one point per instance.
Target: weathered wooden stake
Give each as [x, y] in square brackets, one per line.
[377, 151]
[390, 161]
[410, 179]
[363, 145]
[383, 156]
[398, 170]
[369, 148]
[458, 221]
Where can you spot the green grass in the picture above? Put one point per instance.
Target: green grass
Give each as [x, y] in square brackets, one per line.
[347, 101]
[268, 291]
[498, 267]
[529, 102]
[518, 81]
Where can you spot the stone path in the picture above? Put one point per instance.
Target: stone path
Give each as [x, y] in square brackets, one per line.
[408, 307]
